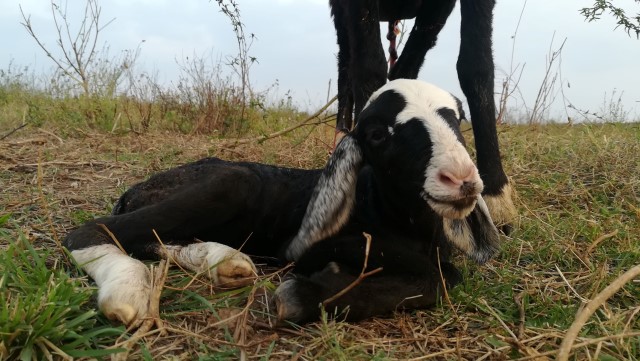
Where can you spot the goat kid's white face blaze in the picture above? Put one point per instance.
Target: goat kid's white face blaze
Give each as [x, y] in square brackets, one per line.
[452, 184]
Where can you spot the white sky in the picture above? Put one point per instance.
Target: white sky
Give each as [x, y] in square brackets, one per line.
[296, 45]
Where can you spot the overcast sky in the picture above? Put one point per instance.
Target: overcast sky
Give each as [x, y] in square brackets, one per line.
[296, 45]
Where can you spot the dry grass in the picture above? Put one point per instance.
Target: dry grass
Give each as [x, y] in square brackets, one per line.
[579, 227]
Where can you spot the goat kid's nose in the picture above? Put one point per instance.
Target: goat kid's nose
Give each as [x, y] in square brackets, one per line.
[456, 178]
[463, 179]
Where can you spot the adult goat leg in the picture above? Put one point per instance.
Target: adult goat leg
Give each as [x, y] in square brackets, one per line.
[429, 21]
[476, 74]
[344, 121]
[368, 65]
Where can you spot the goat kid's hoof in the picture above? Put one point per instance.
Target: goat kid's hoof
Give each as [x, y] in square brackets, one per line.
[237, 271]
[124, 283]
[223, 265]
[126, 300]
[297, 300]
[227, 267]
[288, 305]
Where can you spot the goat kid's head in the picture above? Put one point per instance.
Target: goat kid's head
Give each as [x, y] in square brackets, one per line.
[409, 132]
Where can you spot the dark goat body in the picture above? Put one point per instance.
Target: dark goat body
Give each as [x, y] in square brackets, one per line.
[362, 69]
[403, 176]
[252, 205]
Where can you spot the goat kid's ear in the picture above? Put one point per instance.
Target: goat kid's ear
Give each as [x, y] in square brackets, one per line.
[475, 235]
[332, 199]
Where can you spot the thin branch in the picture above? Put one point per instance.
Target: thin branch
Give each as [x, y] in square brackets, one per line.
[112, 236]
[548, 82]
[497, 317]
[360, 278]
[261, 138]
[144, 326]
[55, 348]
[13, 131]
[629, 24]
[591, 307]
[78, 60]
[588, 342]
[598, 240]
[45, 206]
[506, 93]
[29, 28]
[95, 21]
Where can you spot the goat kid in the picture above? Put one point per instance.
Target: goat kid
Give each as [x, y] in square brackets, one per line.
[362, 68]
[403, 176]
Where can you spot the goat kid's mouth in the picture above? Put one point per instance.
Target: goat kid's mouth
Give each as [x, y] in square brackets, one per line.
[451, 207]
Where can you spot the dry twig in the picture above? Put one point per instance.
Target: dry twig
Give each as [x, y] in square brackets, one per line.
[599, 240]
[515, 341]
[159, 276]
[45, 206]
[13, 131]
[593, 341]
[360, 278]
[591, 307]
[261, 138]
[522, 313]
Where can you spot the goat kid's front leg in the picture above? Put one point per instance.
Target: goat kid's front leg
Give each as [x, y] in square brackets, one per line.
[395, 278]
[124, 283]
[300, 298]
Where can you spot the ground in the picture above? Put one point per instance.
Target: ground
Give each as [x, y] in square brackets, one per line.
[578, 229]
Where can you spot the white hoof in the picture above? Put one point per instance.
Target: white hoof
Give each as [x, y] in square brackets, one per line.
[224, 265]
[124, 282]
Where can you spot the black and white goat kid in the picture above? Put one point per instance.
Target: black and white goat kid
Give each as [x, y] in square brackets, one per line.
[403, 176]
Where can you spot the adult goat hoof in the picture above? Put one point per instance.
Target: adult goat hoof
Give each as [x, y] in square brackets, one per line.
[501, 208]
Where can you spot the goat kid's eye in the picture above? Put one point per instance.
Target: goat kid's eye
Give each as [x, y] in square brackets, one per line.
[377, 136]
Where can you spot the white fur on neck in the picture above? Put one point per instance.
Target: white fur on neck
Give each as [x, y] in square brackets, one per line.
[459, 234]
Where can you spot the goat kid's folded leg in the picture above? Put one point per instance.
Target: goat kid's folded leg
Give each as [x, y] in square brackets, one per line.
[407, 280]
[225, 266]
[299, 299]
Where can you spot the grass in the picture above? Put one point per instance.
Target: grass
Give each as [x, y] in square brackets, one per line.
[579, 228]
[46, 311]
